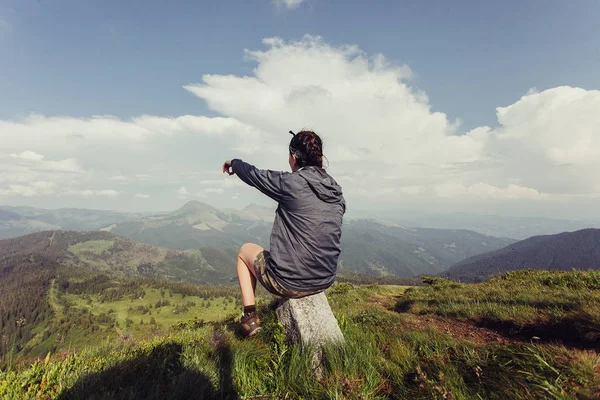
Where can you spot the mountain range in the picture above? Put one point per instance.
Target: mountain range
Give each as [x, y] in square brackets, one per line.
[514, 227]
[368, 246]
[374, 248]
[493, 225]
[564, 251]
[198, 243]
[19, 221]
[198, 224]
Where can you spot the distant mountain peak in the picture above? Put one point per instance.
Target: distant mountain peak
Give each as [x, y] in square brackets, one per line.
[194, 207]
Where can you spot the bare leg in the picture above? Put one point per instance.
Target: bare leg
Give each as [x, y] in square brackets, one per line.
[245, 271]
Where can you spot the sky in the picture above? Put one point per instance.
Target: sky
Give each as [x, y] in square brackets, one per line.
[428, 107]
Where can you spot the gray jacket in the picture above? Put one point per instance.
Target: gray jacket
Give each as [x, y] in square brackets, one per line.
[305, 240]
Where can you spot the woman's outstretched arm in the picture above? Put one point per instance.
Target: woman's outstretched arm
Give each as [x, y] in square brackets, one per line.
[267, 181]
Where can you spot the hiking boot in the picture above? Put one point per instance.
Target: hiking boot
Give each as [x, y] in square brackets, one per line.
[250, 324]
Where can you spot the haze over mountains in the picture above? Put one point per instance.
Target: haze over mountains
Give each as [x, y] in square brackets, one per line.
[373, 248]
[513, 227]
[488, 224]
[368, 247]
[19, 221]
[198, 224]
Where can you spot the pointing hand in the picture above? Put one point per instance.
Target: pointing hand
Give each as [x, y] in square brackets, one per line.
[227, 167]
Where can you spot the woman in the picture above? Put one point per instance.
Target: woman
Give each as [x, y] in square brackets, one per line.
[305, 239]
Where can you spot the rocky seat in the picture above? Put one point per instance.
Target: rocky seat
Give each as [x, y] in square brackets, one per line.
[310, 321]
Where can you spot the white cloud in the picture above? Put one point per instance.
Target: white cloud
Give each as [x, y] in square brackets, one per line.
[28, 155]
[290, 4]
[68, 165]
[488, 192]
[90, 193]
[120, 178]
[107, 193]
[39, 188]
[225, 183]
[69, 132]
[547, 141]
[141, 196]
[347, 97]
[383, 141]
[37, 161]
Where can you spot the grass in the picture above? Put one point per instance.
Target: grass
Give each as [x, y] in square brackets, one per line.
[165, 316]
[137, 318]
[100, 308]
[549, 305]
[385, 356]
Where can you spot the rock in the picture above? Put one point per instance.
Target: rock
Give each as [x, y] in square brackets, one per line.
[310, 321]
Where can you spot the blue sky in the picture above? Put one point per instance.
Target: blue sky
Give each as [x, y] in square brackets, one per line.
[78, 59]
[128, 58]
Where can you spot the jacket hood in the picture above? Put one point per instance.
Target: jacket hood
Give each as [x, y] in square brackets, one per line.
[322, 184]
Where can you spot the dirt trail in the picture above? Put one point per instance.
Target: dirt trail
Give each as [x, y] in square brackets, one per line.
[51, 239]
[458, 329]
[53, 301]
[37, 339]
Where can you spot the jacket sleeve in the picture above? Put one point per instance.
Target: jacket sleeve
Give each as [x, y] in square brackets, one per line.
[268, 182]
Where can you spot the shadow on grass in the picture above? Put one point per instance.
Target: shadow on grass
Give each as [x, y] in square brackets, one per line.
[576, 330]
[158, 375]
[403, 305]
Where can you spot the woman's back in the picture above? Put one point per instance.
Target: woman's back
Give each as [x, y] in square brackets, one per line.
[305, 240]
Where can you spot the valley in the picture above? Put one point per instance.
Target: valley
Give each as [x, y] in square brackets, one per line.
[82, 310]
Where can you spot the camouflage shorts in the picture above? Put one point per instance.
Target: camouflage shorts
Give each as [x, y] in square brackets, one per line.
[269, 282]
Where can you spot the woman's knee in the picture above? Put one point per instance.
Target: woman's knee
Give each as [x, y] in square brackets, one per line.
[245, 247]
[250, 248]
[249, 251]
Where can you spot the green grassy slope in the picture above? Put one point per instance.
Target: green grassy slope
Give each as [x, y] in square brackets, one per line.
[400, 343]
[105, 252]
[86, 307]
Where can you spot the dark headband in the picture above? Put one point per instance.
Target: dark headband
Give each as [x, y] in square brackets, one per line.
[297, 153]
